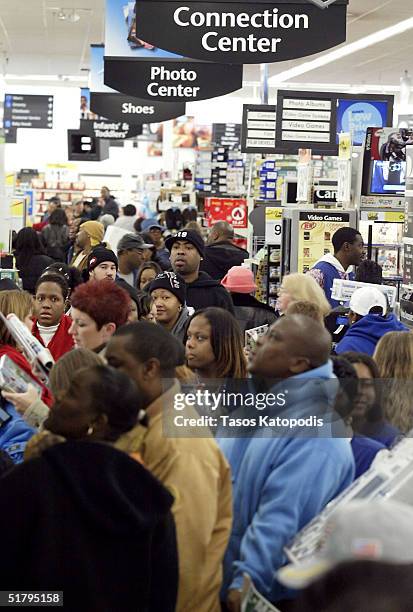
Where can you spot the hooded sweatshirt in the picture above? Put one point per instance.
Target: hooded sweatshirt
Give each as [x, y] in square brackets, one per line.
[363, 336]
[87, 520]
[325, 271]
[179, 328]
[280, 484]
[205, 292]
[221, 257]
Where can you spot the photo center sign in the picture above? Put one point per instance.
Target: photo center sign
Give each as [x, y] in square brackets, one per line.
[240, 32]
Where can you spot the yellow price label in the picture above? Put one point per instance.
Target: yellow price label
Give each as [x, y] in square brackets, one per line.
[273, 214]
[394, 217]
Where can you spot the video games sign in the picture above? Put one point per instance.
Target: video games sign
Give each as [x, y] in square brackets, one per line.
[235, 32]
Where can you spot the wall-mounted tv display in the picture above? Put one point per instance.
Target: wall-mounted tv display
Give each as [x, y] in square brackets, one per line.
[384, 164]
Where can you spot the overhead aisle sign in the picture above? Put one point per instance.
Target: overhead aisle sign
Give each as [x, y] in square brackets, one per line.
[258, 128]
[314, 120]
[235, 32]
[23, 111]
[144, 69]
[107, 102]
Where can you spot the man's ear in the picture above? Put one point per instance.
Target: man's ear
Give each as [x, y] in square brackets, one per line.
[151, 369]
[299, 365]
[353, 317]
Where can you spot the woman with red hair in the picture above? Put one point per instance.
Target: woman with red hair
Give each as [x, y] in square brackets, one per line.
[98, 309]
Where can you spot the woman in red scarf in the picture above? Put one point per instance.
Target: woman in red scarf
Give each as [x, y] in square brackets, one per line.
[21, 304]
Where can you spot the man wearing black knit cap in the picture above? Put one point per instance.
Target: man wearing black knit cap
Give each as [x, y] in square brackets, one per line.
[187, 251]
[102, 264]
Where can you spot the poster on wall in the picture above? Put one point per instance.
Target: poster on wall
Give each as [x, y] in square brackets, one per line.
[232, 210]
[356, 116]
[145, 70]
[242, 32]
[188, 135]
[316, 230]
[85, 112]
[107, 102]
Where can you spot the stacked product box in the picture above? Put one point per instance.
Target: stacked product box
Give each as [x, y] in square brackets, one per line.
[268, 180]
[220, 172]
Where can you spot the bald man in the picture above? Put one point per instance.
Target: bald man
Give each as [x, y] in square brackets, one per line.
[221, 254]
[283, 476]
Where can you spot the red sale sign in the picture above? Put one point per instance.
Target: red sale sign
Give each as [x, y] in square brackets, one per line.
[234, 211]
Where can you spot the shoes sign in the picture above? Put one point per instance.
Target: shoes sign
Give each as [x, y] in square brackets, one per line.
[234, 32]
[141, 68]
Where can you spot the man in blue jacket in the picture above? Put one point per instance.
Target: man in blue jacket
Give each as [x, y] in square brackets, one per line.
[281, 483]
[348, 251]
[369, 321]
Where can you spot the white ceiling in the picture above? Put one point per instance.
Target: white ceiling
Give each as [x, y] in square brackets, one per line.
[33, 41]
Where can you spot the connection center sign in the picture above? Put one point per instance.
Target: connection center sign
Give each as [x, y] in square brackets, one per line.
[235, 32]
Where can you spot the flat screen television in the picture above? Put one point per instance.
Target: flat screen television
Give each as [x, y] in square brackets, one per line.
[384, 161]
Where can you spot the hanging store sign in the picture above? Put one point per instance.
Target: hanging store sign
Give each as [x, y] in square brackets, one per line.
[258, 128]
[137, 68]
[242, 32]
[314, 120]
[107, 102]
[172, 81]
[27, 111]
[109, 130]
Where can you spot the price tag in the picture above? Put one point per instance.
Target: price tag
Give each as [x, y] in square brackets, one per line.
[273, 225]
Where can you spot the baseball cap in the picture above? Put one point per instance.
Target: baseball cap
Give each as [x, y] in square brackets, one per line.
[239, 280]
[132, 241]
[187, 236]
[172, 282]
[366, 298]
[378, 530]
[149, 224]
[100, 255]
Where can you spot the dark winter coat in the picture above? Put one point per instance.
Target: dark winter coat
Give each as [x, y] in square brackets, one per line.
[250, 312]
[205, 292]
[55, 239]
[111, 207]
[31, 272]
[221, 257]
[86, 519]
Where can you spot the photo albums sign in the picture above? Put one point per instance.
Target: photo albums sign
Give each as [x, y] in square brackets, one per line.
[243, 32]
[145, 70]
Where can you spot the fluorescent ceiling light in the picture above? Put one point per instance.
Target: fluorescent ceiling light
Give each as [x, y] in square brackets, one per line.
[46, 77]
[354, 47]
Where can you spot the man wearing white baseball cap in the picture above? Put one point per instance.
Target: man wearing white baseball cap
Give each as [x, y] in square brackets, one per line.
[369, 321]
[376, 530]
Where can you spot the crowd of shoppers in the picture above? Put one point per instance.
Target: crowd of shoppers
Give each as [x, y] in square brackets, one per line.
[128, 479]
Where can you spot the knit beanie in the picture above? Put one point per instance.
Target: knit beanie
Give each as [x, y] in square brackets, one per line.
[101, 255]
[172, 282]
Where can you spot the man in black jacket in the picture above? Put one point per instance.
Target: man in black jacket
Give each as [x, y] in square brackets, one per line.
[221, 254]
[187, 252]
